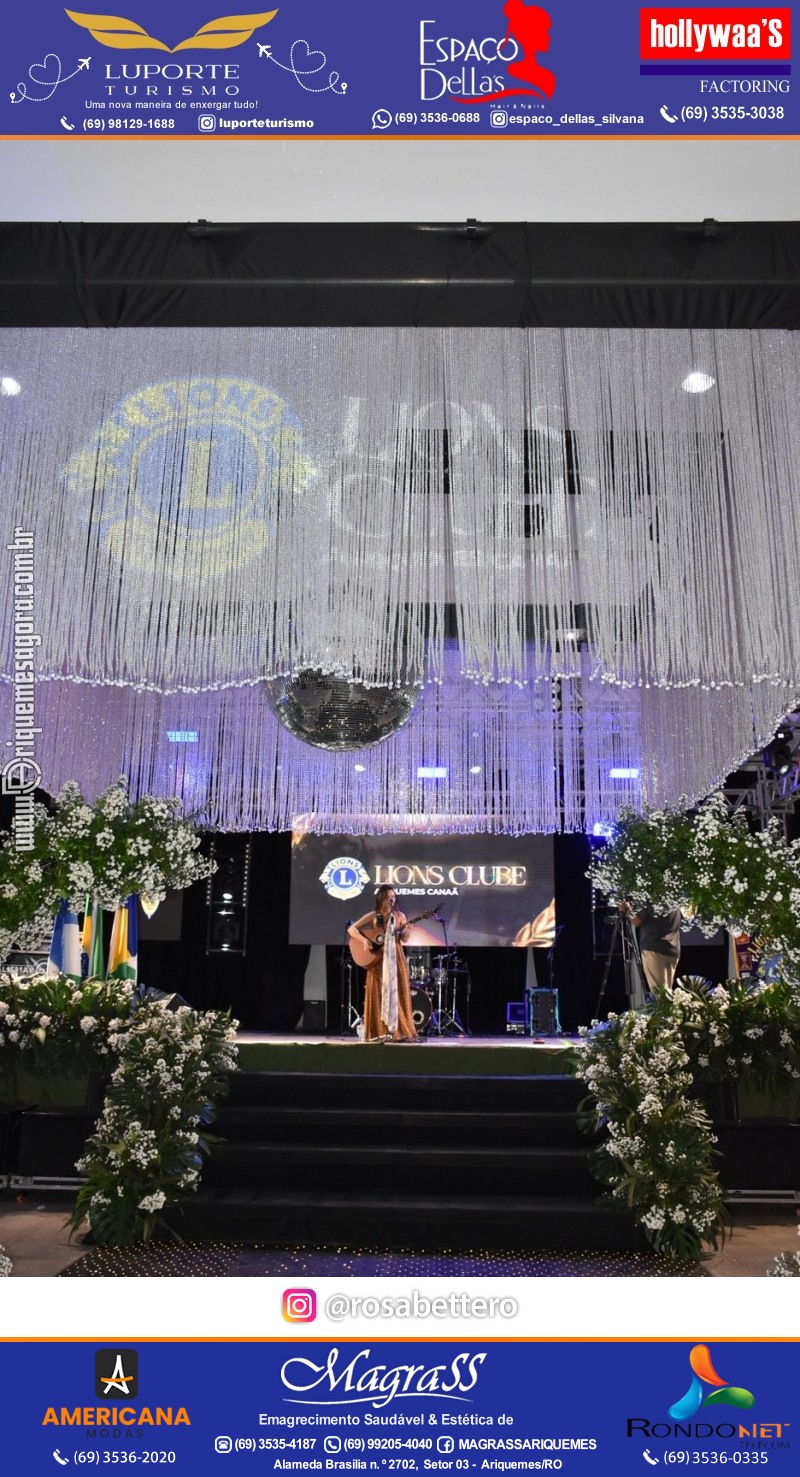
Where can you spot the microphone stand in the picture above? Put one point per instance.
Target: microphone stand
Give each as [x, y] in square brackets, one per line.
[446, 1018]
[350, 1018]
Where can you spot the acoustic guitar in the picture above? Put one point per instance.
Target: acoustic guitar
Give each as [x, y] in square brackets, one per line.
[366, 950]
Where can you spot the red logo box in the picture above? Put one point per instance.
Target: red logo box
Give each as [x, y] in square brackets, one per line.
[718, 33]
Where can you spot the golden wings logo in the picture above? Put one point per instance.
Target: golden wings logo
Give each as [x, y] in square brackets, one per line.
[125, 35]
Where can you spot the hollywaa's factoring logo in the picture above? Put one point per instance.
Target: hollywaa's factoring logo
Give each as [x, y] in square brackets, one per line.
[217, 35]
[527, 37]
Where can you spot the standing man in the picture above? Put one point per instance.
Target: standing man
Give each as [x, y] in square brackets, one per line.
[659, 942]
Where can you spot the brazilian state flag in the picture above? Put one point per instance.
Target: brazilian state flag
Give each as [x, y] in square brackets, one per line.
[92, 961]
[65, 949]
[123, 954]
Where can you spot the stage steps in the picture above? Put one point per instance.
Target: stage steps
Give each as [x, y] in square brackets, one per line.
[404, 1160]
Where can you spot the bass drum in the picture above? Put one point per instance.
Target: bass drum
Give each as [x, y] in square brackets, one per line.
[421, 1010]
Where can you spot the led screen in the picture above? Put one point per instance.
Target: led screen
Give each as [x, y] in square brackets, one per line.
[490, 890]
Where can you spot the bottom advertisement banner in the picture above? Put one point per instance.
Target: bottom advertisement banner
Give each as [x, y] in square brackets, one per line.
[384, 1406]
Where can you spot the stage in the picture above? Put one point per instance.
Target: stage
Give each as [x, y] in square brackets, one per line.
[462, 1056]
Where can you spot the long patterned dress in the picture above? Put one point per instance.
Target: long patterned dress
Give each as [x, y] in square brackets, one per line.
[374, 1028]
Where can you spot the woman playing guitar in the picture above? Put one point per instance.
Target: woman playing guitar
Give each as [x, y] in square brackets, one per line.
[387, 1000]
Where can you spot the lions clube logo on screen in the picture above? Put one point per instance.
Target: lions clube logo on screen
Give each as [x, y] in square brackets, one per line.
[344, 878]
[358, 1382]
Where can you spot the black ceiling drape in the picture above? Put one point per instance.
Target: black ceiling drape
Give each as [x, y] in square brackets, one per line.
[708, 275]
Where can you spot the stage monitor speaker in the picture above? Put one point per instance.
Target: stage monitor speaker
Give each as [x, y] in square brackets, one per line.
[542, 1013]
[227, 894]
[313, 1017]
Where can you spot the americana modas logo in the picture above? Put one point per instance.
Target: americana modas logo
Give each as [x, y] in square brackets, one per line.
[116, 1374]
[126, 35]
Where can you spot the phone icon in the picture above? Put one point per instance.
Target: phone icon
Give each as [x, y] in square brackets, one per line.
[62, 1460]
[666, 114]
[653, 1460]
[70, 127]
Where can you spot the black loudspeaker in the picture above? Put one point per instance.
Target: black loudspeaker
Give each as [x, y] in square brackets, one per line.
[50, 1143]
[173, 1002]
[227, 894]
[314, 1017]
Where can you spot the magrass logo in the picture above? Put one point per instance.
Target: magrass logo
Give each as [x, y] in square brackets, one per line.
[126, 35]
[116, 1374]
[704, 1375]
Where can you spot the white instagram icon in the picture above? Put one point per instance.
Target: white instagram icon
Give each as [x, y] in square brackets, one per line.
[206, 123]
[498, 118]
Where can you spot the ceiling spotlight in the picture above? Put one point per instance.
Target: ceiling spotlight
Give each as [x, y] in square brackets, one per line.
[359, 768]
[475, 769]
[9, 386]
[697, 382]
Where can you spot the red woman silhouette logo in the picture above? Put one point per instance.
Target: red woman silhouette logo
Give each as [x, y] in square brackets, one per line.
[528, 32]
[530, 27]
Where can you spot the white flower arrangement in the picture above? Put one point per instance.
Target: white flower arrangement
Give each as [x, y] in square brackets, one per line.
[146, 1151]
[109, 850]
[640, 1068]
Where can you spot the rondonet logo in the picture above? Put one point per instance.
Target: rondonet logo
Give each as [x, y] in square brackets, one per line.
[721, 33]
[126, 35]
[359, 1382]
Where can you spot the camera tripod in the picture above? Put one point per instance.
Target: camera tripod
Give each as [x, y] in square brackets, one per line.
[623, 933]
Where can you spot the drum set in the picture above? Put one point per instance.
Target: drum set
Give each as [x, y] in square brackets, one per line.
[437, 983]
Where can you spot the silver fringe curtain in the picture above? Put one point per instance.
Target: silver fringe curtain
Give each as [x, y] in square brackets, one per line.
[588, 566]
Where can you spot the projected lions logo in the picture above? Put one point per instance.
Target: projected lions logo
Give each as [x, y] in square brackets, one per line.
[344, 878]
[188, 471]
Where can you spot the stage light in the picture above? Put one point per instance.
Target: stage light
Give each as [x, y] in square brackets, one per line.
[9, 386]
[603, 829]
[359, 768]
[182, 735]
[623, 774]
[697, 382]
[431, 772]
[475, 769]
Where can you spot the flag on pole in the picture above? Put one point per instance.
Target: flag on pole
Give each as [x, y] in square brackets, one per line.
[123, 953]
[92, 962]
[65, 949]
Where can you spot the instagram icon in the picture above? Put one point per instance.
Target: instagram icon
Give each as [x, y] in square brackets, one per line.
[299, 1305]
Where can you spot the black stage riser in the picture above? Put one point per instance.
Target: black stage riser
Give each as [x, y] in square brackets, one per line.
[391, 1090]
[402, 1169]
[429, 1222]
[429, 1127]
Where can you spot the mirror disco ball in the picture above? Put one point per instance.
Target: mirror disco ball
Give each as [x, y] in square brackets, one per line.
[332, 713]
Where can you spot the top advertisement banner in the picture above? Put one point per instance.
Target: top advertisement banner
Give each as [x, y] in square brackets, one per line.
[433, 69]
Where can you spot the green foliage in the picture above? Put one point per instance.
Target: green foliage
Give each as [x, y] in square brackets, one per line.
[55, 1028]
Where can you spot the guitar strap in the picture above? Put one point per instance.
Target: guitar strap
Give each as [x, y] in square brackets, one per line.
[389, 979]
